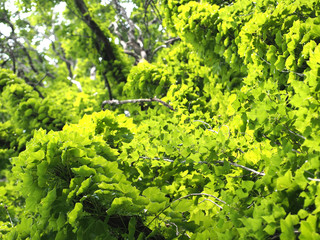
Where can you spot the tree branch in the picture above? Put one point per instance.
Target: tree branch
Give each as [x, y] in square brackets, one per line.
[156, 158]
[6, 20]
[135, 42]
[313, 179]
[189, 195]
[168, 42]
[200, 194]
[243, 167]
[107, 85]
[20, 52]
[206, 199]
[221, 162]
[118, 102]
[101, 41]
[29, 58]
[108, 51]
[63, 58]
[133, 54]
[283, 71]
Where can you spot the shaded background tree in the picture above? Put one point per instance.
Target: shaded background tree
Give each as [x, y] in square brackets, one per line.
[74, 31]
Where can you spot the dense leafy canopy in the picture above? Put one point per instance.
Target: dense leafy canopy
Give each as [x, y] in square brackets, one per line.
[177, 120]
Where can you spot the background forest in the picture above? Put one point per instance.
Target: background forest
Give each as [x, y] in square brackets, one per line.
[169, 119]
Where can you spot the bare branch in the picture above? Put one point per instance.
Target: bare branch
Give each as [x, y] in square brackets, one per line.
[158, 48]
[251, 205]
[296, 151]
[38, 91]
[20, 59]
[118, 102]
[14, 38]
[277, 236]
[86, 17]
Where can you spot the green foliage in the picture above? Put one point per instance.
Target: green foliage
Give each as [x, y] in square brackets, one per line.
[173, 77]
[11, 204]
[143, 79]
[238, 158]
[27, 111]
[71, 177]
[8, 143]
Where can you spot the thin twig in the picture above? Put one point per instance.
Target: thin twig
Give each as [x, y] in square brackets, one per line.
[296, 151]
[101, 40]
[118, 102]
[251, 205]
[38, 83]
[278, 235]
[167, 43]
[297, 134]
[204, 123]
[177, 229]
[200, 194]
[62, 56]
[132, 54]
[309, 172]
[107, 85]
[136, 42]
[5, 206]
[283, 71]
[206, 199]
[313, 179]
[189, 195]
[243, 167]
[169, 160]
[164, 159]
[278, 144]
